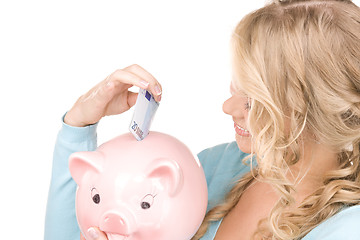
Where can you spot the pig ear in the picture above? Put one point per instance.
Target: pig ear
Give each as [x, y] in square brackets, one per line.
[169, 174]
[83, 162]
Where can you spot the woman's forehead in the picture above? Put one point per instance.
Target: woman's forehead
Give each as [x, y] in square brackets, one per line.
[235, 88]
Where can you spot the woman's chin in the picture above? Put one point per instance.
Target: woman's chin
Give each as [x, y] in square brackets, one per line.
[244, 143]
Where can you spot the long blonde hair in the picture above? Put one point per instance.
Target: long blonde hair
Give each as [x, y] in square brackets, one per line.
[299, 60]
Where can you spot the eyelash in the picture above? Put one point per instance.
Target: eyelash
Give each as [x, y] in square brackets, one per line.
[248, 105]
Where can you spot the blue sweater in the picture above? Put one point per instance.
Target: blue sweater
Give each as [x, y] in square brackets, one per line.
[222, 165]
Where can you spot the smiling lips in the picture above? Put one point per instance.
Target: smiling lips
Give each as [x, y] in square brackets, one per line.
[241, 131]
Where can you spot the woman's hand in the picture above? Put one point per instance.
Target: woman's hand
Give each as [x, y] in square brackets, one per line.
[95, 234]
[112, 96]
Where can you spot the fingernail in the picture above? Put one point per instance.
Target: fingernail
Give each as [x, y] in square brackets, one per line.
[157, 90]
[144, 83]
[92, 233]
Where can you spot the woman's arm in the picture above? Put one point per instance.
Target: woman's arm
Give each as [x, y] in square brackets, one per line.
[60, 215]
[78, 133]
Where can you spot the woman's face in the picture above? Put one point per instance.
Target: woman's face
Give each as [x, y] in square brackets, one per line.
[238, 106]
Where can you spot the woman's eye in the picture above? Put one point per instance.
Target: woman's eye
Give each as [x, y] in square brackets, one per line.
[248, 104]
[95, 196]
[147, 201]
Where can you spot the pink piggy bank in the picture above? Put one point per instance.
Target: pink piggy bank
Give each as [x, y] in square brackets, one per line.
[150, 189]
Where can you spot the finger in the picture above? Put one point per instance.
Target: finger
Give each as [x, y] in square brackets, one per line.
[95, 234]
[154, 85]
[121, 103]
[122, 79]
[82, 237]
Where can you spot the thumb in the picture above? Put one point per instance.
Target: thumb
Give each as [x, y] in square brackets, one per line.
[82, 237]
[132, 97]
[95, 234]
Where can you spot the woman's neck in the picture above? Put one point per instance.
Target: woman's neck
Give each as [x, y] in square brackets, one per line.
[309, 172]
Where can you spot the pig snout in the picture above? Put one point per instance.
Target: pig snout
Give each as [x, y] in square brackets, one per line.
[118, 223]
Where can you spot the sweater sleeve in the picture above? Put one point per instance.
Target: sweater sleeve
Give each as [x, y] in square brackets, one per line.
[60, 220]
[343, 225]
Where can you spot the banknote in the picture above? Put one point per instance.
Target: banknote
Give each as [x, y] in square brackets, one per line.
[145, 109]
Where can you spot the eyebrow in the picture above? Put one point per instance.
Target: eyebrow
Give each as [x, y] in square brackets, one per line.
[233, 90]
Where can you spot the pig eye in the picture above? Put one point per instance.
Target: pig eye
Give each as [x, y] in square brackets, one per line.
[147, 201]
[95, 196]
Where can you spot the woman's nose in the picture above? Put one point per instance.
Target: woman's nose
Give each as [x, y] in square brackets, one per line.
[227, 106]
[235, 106]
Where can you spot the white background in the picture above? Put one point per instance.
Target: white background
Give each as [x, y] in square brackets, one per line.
[51, 52]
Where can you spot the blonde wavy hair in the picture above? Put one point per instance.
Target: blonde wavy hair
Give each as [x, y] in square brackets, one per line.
[299, 60]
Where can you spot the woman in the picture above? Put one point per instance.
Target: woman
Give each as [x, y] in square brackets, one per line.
[296, 109]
